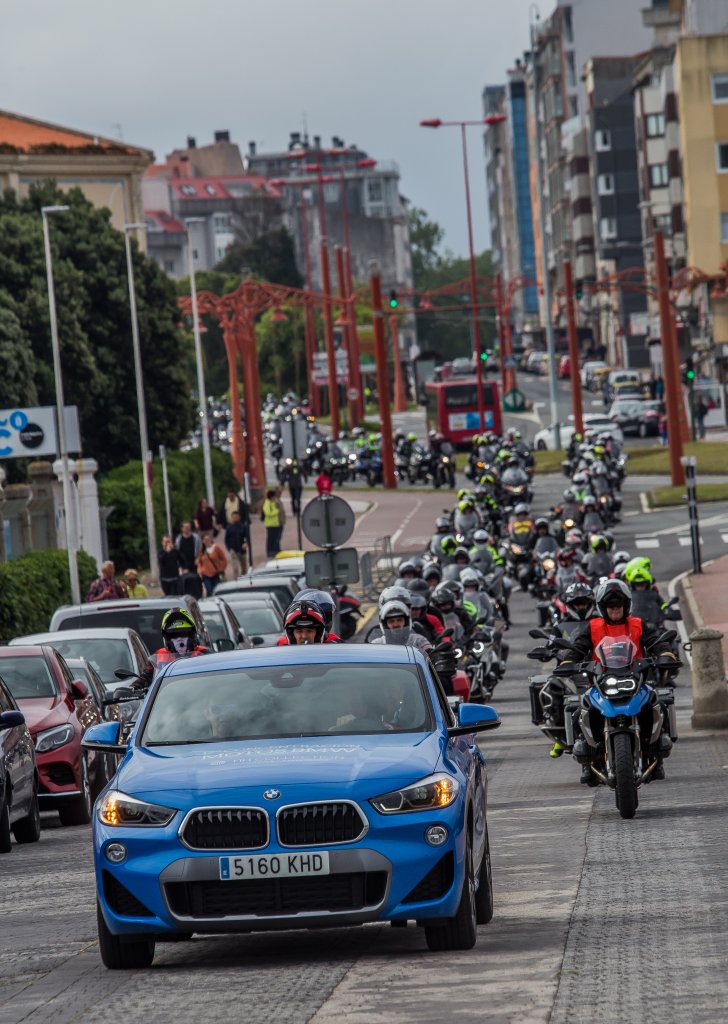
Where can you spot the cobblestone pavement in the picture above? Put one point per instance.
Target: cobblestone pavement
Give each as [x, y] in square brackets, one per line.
[596, 919]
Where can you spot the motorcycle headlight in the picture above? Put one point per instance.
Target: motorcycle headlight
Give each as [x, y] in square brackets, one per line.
[615, 687]
[458, 652]
[568, 523]
[445, 458]
[51, 739]
[603, 499]
[478, 647]
[549, 564]
[121, 809]
[428, 794]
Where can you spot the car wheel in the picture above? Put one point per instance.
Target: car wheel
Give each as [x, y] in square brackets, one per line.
[541, 445]
[77, 809]
[6, 843]
[461, 931]
[484, 893]
[27, 829]
[132, 954]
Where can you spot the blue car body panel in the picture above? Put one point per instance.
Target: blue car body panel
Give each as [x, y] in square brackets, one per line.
[303, 770]
[612, 709]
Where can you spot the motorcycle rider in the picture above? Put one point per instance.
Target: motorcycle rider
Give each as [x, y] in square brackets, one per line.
[305, 623]
[445, 598]
[322, 602]
[396, 623]
[647, 601]
[181, 640]
[484, 555]
[466, 519]
[599, 562]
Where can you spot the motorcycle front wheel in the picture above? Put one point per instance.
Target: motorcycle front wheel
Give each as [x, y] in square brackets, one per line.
[625, 789]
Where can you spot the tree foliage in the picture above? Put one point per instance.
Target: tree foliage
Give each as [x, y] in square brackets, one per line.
[270, 257]
[33, 586]
[92, 299]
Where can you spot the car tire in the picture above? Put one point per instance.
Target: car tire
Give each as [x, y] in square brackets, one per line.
[27, 829]
[77, 809]
[484, 893]
[460, 931]
[131, 954]
[6, 843]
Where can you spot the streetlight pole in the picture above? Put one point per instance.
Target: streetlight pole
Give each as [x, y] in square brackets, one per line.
[202, 393]
[141, 404]
[68, 498]
[436, 122]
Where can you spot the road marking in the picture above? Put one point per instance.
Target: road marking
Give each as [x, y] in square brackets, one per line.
[403, 527]
[644, 504]
[634, 512]
[710, 521]
[647, 542]
[685, 542]
[724, 537]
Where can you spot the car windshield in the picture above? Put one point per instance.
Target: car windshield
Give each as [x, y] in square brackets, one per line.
[215, 625]
[146, 621]
[256, 621]
[28, 676]
[616, 652]
[105, 655]
[287, 700]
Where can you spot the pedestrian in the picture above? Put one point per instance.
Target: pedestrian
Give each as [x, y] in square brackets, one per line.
[236, 541]
[323, 483]
[662, 428]
[106, 587]
[701, 411]
[273, 518]
[134, 588]
[295, 486]
[171, 566]
[204, 517]
[233, 503]
[188, 544]
[211, 562]
[659, 389]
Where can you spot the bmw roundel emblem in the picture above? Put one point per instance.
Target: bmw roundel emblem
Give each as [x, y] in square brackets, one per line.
[272, 794]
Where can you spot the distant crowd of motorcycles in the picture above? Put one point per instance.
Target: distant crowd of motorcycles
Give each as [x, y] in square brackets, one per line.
[615, 714]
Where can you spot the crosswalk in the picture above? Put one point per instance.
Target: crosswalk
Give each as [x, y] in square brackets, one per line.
[682, 539]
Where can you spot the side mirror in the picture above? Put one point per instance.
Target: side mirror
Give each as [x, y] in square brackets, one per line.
[79, 689]
[224, 644]
[104, 738]
[124, 673]
[474, 718]
[256, 641]
[538, 634]
[11, 719]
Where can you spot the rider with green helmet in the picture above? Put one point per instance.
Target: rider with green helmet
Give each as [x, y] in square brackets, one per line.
[179, 633]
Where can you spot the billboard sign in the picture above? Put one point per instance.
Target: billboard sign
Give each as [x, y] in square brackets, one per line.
[30, 432]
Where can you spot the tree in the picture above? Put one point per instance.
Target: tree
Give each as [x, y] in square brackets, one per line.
[425, 240]
[94, 327]
[17, 384]
[270, 257]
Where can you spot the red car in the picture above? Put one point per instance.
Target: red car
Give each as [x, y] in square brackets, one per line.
[58, 709]
[565, 368]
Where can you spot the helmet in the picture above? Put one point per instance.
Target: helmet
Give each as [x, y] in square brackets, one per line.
[487, 480]
[179, 631]
[442, 595]
[580, 479]
[599, 540]
[305, 614]
[470, 577]
[640, 562]
[541, 522]
[573, 538]
[397, 592]
[448, 545]
[456, 589]
[406, 567]
[431, 571]
[419, 604]
[590, 501]
[418, 562]
[462, 552]
[480, 537]
[565, 556]
[579, 599]
[569, 495]
[442, 524]
[321, 598]
[395, 609]
[638, 575]
[521, 509]
[611, 592]
[466, 505]
[463, 493]
[417, 586]
[412, 436]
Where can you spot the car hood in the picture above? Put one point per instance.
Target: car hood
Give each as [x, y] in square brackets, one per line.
[188, 774]
[43, 712]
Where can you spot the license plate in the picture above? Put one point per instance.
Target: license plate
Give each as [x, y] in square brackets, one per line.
[275, 865]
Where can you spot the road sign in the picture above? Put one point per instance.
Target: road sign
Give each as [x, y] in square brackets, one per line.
[28, 432]
[324, 568]
[514, 401]
[352, 394]
[293, 437]
[320, 369]
[328, 521]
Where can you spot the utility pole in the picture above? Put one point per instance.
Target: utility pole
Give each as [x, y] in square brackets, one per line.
[576, 401]
[380, 356]
[670, 365]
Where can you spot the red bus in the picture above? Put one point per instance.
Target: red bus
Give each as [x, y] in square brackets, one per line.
[452, 408]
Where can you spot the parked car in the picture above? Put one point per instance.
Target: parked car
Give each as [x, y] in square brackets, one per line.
[293, 792]
[19, 810]
[143, 616]
[590, 372]
[546, 438]
[259, 617]
[58, 709]
[223, 627]
[636, 417]
[533, 363]
[283, 588]
[105, 652]
[564, 368]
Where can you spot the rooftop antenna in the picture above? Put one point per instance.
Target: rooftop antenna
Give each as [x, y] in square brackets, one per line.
[119, 130]
[304, 123]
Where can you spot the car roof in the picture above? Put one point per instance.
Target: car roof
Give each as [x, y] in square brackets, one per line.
[256, 580]
[112, 633]
[306, 654]
[32, 648]
[126, 602]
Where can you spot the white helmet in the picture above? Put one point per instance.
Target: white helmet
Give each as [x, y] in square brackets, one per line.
[389, 610]
[397, 592]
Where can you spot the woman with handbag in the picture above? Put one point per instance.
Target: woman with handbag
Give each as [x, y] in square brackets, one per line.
[211, 563]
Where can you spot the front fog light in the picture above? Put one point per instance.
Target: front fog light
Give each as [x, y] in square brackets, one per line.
[115, 852]
[435, 835]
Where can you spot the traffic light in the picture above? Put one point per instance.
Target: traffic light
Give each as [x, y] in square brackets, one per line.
[393, 300]
[689, 372]
[579, 292]
[484, 356]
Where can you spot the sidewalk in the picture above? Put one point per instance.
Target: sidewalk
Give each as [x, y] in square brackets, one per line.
[707, 597]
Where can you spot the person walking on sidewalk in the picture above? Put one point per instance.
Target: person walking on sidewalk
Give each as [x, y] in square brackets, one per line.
[171, 566]
[133, 587]
[211, 563]
[189, 545]
[236, 541]
[204, 517]
[273, 518]
[106, 587]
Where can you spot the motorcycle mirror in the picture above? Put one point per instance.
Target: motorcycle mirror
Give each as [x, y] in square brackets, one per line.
[538, 634]
[561, 644]
[447, 633]
[539, 654]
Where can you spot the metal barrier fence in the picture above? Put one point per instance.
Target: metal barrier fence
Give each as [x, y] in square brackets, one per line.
[382, 560]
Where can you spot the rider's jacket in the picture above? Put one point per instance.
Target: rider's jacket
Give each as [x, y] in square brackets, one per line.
[599, 628]
[163, 657]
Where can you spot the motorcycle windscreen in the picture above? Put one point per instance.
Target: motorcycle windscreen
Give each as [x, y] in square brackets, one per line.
[616, 652]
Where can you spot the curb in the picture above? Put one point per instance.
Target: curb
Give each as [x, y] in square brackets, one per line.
[685, 587]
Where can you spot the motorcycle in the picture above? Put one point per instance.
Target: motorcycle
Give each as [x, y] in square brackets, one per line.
[482, 663]
[349, 610]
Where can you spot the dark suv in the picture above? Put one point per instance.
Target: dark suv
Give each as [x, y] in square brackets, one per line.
[145, 616]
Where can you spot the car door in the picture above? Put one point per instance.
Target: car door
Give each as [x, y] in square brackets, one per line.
[18, 755]
[140, 654]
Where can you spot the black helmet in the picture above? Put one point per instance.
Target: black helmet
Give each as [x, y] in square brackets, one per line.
[179, 631]
[542, 522]
[407, 567]
[442, 595]
[418, 586]
[579, 599]
[611, 593]
[430, 570]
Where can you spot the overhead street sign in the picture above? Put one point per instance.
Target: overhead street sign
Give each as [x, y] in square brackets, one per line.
[324, 568]
[328, 521]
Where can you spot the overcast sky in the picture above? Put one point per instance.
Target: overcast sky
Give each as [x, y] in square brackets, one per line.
[367, 71]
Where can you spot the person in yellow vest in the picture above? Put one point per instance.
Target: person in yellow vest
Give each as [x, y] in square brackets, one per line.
[134, 588]
[273, 518]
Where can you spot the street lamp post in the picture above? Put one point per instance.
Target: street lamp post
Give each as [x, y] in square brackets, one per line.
[436, 122]
[68, 499]
[200, 368]
[141, 404]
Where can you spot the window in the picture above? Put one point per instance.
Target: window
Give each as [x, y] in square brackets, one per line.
[658, 175]
[607, 228]
[375, 193]
[331, 192]
[721, 151]
[605, 185]
[720, 88]
[603, 141]
[655, 125]
[195, 254]
[222, 221]
[571, 69]
[724, 228]
[663, 222]
[169, 266]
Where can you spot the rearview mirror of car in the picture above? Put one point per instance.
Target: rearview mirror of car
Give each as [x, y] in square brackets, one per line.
[11, 719]
[79, 689]
[104, 738]
[475, 718]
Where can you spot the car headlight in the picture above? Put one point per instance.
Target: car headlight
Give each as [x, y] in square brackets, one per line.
[51, 739]
[121, 809]
[428, 794]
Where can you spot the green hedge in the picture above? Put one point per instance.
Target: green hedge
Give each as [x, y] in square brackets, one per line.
[33, 586]
[123, 489]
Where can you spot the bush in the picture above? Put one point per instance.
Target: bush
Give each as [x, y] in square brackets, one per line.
[122, 488]
[33, 586]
